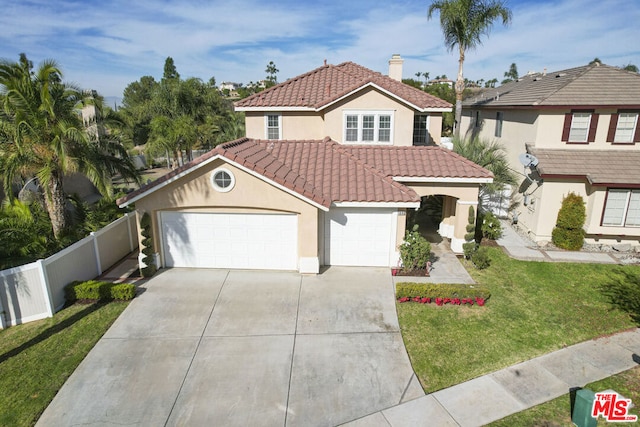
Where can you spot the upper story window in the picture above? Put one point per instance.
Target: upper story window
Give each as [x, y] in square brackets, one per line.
[624, 127]
[580, 126]
[273, 126]
[420, 129]
[368, 126]
[499, 120]
[622, 208]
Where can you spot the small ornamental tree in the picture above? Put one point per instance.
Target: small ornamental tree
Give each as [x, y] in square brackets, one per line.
[470, 246]
[147, 243]
[568, 232]
[415, 251]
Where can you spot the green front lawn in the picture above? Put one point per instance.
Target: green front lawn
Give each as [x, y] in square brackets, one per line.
[38, 357]
[534, 308]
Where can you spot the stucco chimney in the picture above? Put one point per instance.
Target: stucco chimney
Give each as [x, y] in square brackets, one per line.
[395, 67]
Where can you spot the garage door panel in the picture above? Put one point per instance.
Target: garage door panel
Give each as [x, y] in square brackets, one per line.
[359, 237]
[211, 240]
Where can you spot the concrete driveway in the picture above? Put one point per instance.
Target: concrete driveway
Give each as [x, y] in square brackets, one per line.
[239, 348]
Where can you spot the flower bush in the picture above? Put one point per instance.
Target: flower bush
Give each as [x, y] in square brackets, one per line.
[443, 301]
[442, 294]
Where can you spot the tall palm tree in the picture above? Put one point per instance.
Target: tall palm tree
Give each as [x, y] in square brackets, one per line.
[463, 23]
[43, 136]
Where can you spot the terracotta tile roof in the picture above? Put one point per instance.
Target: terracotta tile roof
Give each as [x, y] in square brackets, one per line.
[591, 85]
[615, 167]
[322, 86]
[336, 173]
[325, 171]
[430, 161]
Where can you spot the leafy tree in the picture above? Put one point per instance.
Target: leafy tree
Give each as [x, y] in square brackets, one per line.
[272, 71]
[595, 60]
[630, 67]
[170, 71]
[511, 75]
[175, 116]
[25, 232]
[463, 23]
[43, 136]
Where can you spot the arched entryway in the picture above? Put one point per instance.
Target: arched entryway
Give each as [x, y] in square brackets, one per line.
[428, 217]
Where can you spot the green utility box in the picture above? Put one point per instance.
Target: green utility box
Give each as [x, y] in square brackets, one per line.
[582, 408]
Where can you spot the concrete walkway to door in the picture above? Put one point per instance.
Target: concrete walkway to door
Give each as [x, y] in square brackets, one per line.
[218, 347]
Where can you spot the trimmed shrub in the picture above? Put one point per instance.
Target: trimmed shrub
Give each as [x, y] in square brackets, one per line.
[491, 226]
[123, 291]
[480, 258]
[471, 226]
[94, 290]
[147, 243]
[440, 290]
[89, 290]
[415, 251]
[568, 232]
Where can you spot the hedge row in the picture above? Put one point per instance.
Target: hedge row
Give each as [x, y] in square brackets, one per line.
[440, 290]
[99, 291]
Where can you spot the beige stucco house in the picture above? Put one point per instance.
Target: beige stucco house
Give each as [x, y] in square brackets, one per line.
[332, 161]
[580, 130]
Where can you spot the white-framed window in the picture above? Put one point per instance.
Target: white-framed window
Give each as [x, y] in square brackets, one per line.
[499, 120]
[368, 127]
[626, 127]
[420, 129]
[579, 130]
[222, 180]
[273, 126]
[622, 208]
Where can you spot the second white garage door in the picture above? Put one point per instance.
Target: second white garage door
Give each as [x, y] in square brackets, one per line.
[359, 237]
[216, 240]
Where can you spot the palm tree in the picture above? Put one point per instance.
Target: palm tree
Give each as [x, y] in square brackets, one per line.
[43, 135]
[463, 23]
[490, 155]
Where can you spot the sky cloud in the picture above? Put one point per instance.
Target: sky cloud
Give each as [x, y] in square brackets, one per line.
[107, 45]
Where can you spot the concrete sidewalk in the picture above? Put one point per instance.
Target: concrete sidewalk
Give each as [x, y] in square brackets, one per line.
[494, 396]
[518, 248]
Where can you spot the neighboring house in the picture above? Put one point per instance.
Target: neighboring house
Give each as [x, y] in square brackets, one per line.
[230, 86]
[447, 82]
[325, 176]
[581, 126]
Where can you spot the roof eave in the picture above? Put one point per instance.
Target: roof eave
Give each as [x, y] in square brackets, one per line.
[444, 179]
[322, 206]
[391, 94]
[275, 108]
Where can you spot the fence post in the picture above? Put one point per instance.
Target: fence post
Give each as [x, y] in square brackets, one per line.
[44, 279]
[96, 251]
[2, 314]
[129, 230]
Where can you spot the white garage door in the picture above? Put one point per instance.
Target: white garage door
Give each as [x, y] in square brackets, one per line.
[359, 237]
[213, 240]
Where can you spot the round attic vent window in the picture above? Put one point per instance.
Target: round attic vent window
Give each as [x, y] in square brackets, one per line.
[222, 180]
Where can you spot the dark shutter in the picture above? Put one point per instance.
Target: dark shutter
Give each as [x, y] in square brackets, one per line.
[593, 125]
[567, 126]
[613, 124]
[636, 136]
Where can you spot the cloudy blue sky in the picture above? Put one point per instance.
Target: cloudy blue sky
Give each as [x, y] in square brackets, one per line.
[105, 45]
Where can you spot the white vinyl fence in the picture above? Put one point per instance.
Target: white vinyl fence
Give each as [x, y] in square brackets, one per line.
[35, 291]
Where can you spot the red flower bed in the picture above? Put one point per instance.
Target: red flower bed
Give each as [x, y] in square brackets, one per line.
[442, 301]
